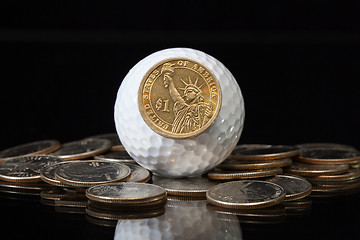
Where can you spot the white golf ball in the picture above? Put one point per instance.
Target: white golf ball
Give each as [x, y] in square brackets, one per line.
[170, 154]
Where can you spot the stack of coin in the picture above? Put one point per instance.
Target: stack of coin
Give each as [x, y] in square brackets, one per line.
[330, 167]
[254, 161]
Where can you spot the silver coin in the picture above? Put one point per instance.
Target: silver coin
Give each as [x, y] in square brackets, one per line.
[329, 156]
[90, 173]
[47, 174]
[295, 187]
[126, 192]
[304, 169]
[251, 146]
[244, 174]
[32, 148]
[232, 164]
[185, 186]
[246, 194]
[138, 173]
[112, 137]
[83, 148]
[116, 156]
[266, 153]
[25, 169]
[305, 146]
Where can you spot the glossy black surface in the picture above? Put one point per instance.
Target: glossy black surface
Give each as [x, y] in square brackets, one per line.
[297, 65]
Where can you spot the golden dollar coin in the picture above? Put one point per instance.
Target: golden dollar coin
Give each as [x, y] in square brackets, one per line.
[179, 98]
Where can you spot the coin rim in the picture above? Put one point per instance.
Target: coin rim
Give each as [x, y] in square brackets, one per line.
[272, 156]
[186, 192]
[152, 126]
[223, 175]
[283, 162]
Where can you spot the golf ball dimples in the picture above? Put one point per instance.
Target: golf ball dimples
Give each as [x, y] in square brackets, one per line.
[179, 157]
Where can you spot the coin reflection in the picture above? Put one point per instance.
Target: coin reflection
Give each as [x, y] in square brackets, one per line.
[182, 220]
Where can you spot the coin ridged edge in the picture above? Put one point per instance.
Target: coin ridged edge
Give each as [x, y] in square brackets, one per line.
[255, 166]
[245, 175]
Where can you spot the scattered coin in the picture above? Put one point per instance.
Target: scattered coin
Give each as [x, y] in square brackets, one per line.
[295, 187]
[185, 186]
[90, 173]
[83, 148]
[267, 153]
[116, 156]
[245, 174]
[338, 178]
[246, 194]
[25, 169]
[47, 174]
[113, 138]
[126, 193]
[251, 146]
[32, 148]
[231, 164]
[138, 173]
[305, 146]
[329, 156]
[304, 169]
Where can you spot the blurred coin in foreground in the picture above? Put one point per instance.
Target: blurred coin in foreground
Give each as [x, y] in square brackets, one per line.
[83, 148]
[32, 148]
[25, 169]
[246, 194]
[295, 187]
[90, 173]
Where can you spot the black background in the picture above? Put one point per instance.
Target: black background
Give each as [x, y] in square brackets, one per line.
[297, 64]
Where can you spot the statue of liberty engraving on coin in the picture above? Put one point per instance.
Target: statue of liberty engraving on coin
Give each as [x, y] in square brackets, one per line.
[179, 98]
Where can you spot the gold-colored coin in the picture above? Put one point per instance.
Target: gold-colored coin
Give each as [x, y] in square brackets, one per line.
[179, 98]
